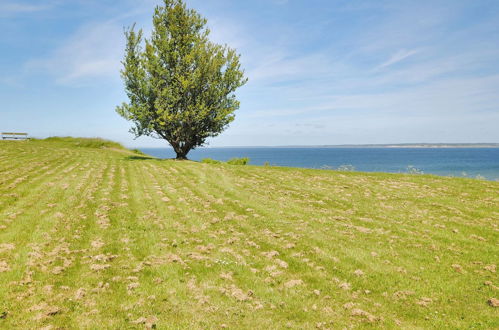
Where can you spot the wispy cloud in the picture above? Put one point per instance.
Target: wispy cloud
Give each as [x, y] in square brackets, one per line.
[450, 97]
[224, 31]
[11, 8]
[93, 52]
[278, 67]
[10, 81]
[397, 57]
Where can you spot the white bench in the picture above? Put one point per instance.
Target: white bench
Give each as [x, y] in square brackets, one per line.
[14, 136]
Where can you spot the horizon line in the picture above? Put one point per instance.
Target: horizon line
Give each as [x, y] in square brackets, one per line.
[421, 145]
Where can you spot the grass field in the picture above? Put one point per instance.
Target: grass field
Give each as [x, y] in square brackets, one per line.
[95, 236]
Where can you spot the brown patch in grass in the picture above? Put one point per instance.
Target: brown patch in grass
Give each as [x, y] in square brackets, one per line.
[281, 263]
[403, 294]
[270, 254]
[6, 247]
[98, 267]
[97, 244]
[358, 273]
[345, 286]
[490, 268]
[80, 293]
[45, 311]
[48, 289]
[104, 257]
[458, 268]
[227, 276]
[349, 305]
[490, 284]
[149, 322]
[236, 293]
[478, 238]
[196, 256]
[132, 286]
[424, 301]
[365, 315]
[175, 259]
[493, 302]
[4, 267]
[272, 270]
[57, 270]
[292, 283]
[59, 215]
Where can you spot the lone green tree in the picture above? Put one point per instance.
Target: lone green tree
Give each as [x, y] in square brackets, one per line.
[180, 85]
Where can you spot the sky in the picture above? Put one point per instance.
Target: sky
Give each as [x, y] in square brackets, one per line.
[321, 72]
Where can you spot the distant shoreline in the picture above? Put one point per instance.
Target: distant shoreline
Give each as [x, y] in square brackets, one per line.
[402, 145]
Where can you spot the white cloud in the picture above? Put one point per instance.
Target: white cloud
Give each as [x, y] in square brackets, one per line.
[7, 8]
[94, 51]
[10, 81]
[397, 57]
[279, 67]
[224, 31]
[450, 97]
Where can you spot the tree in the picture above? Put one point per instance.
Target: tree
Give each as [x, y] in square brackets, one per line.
[181, 86]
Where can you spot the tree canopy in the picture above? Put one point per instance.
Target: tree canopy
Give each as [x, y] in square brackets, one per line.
[180, 85]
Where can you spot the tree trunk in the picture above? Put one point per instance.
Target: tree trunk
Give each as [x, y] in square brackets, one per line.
[181, 151]
[181, 156]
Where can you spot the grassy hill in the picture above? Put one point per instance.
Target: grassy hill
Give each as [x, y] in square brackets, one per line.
[95, 236]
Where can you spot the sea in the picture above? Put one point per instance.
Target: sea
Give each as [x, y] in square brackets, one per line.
[480, 163]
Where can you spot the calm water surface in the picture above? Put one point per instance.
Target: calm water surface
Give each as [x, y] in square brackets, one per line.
[441, 161]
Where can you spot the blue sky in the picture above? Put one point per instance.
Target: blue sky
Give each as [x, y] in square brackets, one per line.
[320, 72]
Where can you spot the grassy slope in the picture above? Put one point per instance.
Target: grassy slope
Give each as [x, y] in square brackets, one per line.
[98, 238]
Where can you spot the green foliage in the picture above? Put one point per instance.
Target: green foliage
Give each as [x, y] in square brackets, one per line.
[346, 168]
[341, 168]
[210, 161]
[85, 142]
[180, 85]
[411, 169]
[138, 152]
[238, 161]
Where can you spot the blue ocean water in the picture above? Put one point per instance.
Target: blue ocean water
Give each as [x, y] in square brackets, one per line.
[441, 161]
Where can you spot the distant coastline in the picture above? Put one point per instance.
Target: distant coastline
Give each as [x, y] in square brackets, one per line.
[421, 145]
[399, 145]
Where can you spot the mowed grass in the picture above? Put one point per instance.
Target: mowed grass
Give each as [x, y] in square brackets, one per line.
[94, 236]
